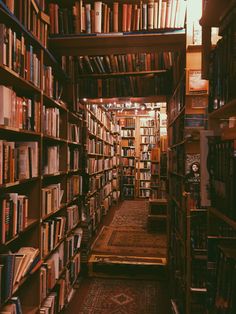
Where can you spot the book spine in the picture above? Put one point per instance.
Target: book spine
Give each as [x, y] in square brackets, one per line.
[98, 16]
[150, 14]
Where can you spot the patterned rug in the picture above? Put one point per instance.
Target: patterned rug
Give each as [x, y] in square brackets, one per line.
[130, 243]
[116, 296]
[131, 214]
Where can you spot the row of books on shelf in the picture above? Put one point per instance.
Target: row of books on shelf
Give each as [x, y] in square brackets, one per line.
[150, 123]
[51, 86]
[147, 131]
[19, 112]
[126, 123]
[148, 139]
[18, 161]
[127, 151]
[125, 86]
[125, 17]
[100, 147]
[74, 187]
[53, 230]
[128, 171]
[20, 56]
[145, 184]
[145, 175]
[73, 159]
[14, 209]
[222, 169]
[30, 15]
[51, 121]
[145, 165]
[145, 155]
[51, 160]
[59, 273]
[131, 62]
[144, 192]
[128, 162]
[104, 117]
[99, 181]
[128, 191]
[74, 133]
[127, 133]
[14, 267]
[51, 198]
[54, 265]
[221, 71]
[97, 165]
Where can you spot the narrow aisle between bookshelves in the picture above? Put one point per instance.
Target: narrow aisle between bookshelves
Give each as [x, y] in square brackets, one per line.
[127, 262]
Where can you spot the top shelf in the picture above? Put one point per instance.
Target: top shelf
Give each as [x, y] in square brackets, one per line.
[118, 43]
[213, 11]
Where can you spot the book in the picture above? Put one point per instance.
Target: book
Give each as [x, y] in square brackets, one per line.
[115, 16]
[98, 16]
[29, 256]
[150, 14]
[8, 262]
[195, 120]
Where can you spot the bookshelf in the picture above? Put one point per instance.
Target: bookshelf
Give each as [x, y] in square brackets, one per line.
[221, 220]
[101, 166]
[41, 153]
[128, 154]
[116, 181]
[187, 109]
[148, 139]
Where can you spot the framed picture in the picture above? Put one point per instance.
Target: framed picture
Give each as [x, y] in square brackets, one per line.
[195, 83]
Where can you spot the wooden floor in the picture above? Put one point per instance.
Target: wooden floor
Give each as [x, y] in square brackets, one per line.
[101, 291]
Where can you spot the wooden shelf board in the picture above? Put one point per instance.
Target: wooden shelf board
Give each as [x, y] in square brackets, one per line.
[9, 185]
[114, 74]
[47, 100]
[16, 131]
[8, 76]
[158, 201]
[226, 111]
[105, 44]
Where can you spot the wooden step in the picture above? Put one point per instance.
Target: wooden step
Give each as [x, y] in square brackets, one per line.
[101, 265]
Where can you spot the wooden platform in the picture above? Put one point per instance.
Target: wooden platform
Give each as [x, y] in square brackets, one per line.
[127, 266]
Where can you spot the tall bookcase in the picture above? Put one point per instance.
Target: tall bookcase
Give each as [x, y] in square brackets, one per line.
[187, 119]
[128, 154]
[100, 152]
[148, 140]
[41, 171]
[218, 61]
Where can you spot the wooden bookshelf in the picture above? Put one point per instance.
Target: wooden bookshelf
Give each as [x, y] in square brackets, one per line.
[185, 213]
[29, 233]
[117, 43]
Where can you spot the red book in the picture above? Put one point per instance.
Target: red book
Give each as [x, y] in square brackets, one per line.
[124, 17]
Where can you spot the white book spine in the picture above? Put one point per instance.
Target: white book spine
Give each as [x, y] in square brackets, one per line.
[98, 16]
[155, 17]
[150, 14]
[159, 13]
